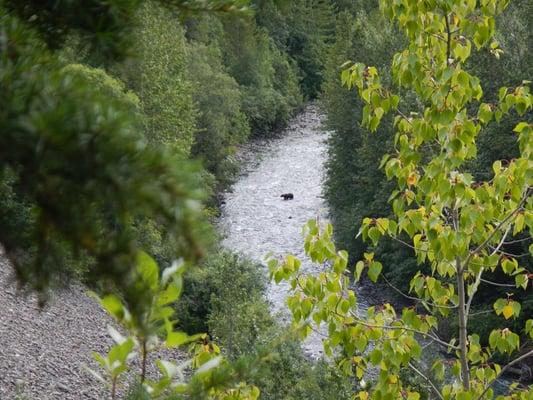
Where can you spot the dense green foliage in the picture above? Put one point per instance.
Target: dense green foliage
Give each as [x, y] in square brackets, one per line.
[105, 108]
[356, 187]
[158, 74]
[223, 124]
[236, 315]
[459, 225]
[99, 148]
[78, 170]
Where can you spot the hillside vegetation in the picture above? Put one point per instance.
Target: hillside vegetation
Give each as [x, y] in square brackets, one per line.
[120, 125]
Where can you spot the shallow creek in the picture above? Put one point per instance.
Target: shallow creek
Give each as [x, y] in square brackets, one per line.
[256, 220]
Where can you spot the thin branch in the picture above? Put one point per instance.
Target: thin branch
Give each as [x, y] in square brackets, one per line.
[426, 378]
[497, 284]
[405, 243]
[404, 116]
[418, 299]
[438, 37]
[511, 254]
[481, 312]
[499, 246]
[317, 331]
[497, 228]
[478, 277]
[448, 40]
[518, 240]
[502, 371]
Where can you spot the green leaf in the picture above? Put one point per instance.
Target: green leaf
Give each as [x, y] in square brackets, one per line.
[177, 339]
[529, 327]
[494, 337]
[522, 280]
[374, 269]
[148, 270]
[113, 306]
[374, 234]
[438, 369]
[484, 113]
[169, 295]
[375, 356]
[509, 265]
[358, 270]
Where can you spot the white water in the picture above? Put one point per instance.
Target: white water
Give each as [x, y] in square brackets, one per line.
[256, 220]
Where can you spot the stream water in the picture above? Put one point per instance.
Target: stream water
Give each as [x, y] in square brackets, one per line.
[256, 220]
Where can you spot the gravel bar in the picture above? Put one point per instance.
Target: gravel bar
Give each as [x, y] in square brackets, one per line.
[43, 353]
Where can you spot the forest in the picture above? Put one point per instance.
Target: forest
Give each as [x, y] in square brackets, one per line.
[124, 129]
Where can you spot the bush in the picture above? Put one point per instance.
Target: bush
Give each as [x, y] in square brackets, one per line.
[223, 276]
[221, 124]
[226, 298]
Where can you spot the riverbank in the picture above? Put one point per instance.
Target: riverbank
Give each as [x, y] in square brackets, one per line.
[44, 352]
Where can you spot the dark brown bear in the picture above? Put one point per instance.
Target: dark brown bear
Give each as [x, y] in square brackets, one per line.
[287, 196]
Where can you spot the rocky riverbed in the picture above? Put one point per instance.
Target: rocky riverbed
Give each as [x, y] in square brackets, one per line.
[256, 220]
[44, 352]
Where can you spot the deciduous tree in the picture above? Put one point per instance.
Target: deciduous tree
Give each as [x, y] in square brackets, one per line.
[456, 224]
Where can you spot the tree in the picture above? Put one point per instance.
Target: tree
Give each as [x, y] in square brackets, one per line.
[221, 124]
[356, 188]
[75, 169]
[455, 223]
[311, 27]
[158, 74]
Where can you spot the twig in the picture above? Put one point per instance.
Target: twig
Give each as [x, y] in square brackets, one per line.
[481, 312]
[511, 254]
[413, 297]
[448, 40]
[497, 284]
[426, 378]
[518, 240]
[502, 371]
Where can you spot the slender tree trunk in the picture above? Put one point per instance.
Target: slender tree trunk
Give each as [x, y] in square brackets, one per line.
[144, 356]
[114, 388]
[459, 266]
[465, 373]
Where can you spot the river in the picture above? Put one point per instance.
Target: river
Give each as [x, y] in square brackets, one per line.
[256, 220]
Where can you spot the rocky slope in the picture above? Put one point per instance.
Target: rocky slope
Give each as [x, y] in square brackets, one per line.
[43, 353]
